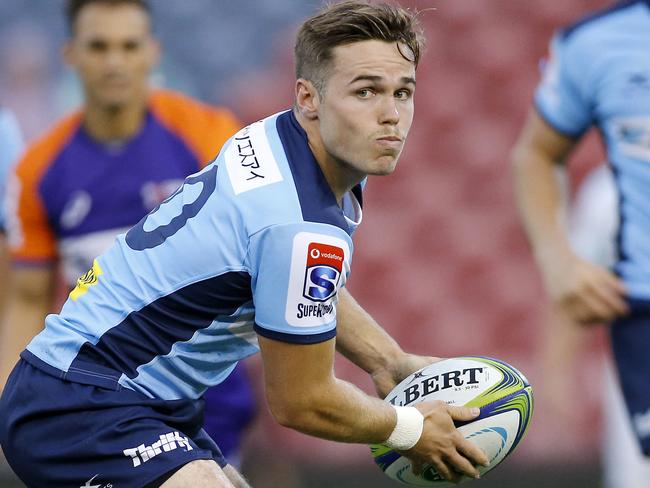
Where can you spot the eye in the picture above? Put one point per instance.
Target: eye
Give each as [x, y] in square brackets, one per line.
[97, 46]
[403, 94]
[131, 46]
[365, 93]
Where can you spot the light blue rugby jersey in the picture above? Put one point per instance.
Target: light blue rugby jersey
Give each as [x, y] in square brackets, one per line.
[599, 74]
[255, 243]
[11, 145]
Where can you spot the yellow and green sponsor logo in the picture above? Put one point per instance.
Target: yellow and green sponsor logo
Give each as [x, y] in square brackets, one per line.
[90, 278]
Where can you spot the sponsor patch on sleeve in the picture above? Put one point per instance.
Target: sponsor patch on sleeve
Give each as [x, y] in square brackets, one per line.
[249, 160]
[90, 278]
[319, 267]
[632, 134]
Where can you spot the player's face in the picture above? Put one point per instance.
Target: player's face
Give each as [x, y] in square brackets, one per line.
[113, 52]
[366, 110]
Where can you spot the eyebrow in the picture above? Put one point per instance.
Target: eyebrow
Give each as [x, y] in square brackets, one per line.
[377, 79]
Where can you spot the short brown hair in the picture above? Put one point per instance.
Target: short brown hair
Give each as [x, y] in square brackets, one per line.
[73, 8]
[348, 22]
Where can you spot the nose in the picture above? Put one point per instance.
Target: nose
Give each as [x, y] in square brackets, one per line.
[389, 112]
[114, 58]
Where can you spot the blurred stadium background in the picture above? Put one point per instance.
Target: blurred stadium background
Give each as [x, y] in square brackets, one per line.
[441, 261]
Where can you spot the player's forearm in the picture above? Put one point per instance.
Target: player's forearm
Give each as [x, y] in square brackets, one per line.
[337, 411]
[4, 271]
[16, 330]
[539, 200]
[22, 320]
[361, 339]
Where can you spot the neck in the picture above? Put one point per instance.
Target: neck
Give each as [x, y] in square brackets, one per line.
[339, 176]
[106, 124]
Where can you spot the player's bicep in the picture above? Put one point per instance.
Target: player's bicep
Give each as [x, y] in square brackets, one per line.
[542, 139]
[298, 270]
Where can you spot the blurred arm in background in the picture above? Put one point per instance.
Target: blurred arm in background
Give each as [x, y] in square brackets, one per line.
[11, 145]
[592, 224]
[32, 252]
[585, 292]
[29, 299]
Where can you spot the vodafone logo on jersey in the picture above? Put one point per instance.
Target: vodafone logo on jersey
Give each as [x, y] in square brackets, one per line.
[320, 264]
[324, 268]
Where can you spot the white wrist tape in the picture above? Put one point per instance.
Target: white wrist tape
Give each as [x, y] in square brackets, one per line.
[407, 432]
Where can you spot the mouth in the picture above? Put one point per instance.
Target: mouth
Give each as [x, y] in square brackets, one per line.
[115, 80]
[390, 138]
[390, 142]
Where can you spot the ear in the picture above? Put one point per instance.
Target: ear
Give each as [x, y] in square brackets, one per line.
[67, 53]
[307, 99]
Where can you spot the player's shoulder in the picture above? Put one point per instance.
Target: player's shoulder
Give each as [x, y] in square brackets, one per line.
[254, 160]
[41, 153]
[254, 168]
[204, 128]
[178, 109]
[601, 22]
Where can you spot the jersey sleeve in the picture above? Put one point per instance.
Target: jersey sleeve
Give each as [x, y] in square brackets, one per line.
[30, 236]
[562, 98]
[297, 271]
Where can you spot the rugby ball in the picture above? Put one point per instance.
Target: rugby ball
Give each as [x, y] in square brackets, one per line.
[501, 392]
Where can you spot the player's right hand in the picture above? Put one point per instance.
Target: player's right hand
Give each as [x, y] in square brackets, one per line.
[586, 293]
[443, 446]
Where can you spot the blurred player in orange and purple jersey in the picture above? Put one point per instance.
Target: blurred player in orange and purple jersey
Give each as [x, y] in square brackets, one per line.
[99, 171]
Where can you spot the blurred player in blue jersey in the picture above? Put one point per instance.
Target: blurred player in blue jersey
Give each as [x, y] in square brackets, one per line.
[11, 145]
[593, 220]
[598, 75]
[251, 254]
[593, 224]
[98, 171]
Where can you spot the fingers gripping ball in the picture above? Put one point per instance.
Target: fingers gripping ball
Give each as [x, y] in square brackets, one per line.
[501, 392]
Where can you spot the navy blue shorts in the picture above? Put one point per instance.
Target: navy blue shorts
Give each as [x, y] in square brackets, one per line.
[631, 345]
[56, 433]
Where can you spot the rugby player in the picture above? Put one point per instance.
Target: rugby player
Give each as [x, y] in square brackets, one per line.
[251, 254]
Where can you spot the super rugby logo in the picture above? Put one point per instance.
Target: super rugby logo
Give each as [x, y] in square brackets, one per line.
[319, 267]
[324, 267]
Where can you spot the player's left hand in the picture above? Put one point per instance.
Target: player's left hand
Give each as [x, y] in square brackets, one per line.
[386, 379]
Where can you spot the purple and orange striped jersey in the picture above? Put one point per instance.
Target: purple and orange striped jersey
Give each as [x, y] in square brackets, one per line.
[70, 195]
